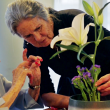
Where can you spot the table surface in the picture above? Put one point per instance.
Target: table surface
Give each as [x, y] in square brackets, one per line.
[51, 109]
[48, 109]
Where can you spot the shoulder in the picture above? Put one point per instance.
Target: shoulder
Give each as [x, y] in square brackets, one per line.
[88, 19]
[1, 77]
[65, 12]
[68, 13]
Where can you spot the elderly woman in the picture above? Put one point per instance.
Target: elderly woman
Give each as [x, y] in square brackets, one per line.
[12, 96]
[38, 25]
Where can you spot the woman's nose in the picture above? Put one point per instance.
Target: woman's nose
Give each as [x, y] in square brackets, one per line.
[37, 36]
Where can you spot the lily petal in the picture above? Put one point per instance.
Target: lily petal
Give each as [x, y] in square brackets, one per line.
[57, 38]
[54, 40]
[76, 33]
[85, 40]
[65, 42]
[70, 34]
[85, 32]
[78, 23]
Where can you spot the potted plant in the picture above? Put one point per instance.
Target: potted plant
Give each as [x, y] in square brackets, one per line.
[85, 81]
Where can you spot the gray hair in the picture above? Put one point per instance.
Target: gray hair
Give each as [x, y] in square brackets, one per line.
[23, 9]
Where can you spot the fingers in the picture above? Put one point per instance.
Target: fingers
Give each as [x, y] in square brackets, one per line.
[20, 68]
[102, 80]
[105, 91]
[24, 55]
[104, 85]
[35, 58]
[34, 66]
[23, 64]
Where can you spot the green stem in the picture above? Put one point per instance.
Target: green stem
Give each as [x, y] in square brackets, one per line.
[83, 94]
[100, 32]
[95, 75]
[98, 96]
[88, 90]
[95, 30]
[96, 45]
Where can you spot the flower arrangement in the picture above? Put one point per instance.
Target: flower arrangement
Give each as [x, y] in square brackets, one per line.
[86, 79]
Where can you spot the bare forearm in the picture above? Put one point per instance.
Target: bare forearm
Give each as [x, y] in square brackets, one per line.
[11, 95]
[55, 100]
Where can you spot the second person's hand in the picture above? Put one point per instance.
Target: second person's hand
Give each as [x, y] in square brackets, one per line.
[103, 85]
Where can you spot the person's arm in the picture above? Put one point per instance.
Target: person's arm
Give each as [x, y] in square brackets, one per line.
[11, 95]
[49, 98]
[32, 97]
[55, 100]
[36, 73]
[23, 96]
[19, 76]
[31, 103]
[47, 93]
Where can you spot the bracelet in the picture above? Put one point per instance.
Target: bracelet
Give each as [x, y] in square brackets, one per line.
[33, 87]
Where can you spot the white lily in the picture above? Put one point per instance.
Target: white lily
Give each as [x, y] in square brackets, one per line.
[77, 33]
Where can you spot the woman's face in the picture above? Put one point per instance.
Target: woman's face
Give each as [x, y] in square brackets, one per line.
[36, 31]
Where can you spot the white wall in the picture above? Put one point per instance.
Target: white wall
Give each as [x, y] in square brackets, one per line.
[10, 46]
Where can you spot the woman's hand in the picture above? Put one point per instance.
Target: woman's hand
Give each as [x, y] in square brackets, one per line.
[35, 62]
[35, 69]
[103, 85]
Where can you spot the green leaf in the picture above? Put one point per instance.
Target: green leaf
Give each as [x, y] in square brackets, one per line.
[69, 47]
[101, 10]
[55, 54]
[84, 57]
[106, 38]
[82, 52]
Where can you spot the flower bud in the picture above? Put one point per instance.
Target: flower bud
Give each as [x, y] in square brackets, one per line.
[88, 8]
[99, 19]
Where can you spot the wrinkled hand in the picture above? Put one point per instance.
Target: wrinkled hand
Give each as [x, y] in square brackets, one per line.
[103, 85]
[35, 69]
[19, 74]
